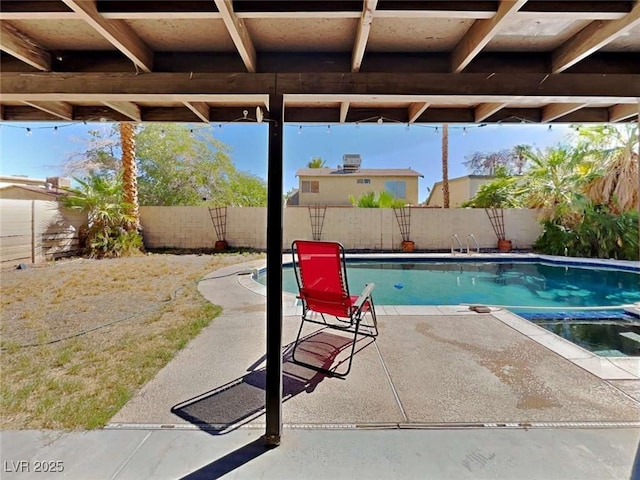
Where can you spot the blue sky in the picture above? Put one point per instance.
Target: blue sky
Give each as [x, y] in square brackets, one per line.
[40, 152]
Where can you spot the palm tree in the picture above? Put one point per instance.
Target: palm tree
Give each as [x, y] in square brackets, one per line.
[521, 152]
[108, 231]
[445, 165]
[553, 183]
[613, 160]
[129, 172]
[316, 162]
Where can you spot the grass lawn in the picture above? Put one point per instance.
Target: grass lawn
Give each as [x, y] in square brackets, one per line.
[80, 337]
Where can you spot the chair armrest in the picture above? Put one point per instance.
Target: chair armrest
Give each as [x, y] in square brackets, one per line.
[364, 296]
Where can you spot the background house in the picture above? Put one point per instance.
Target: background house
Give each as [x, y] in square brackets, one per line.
[461, 189]
[25, 188]
[333, 186]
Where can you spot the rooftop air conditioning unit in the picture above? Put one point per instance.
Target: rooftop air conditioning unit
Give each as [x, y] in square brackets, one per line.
[351, 162]
[59, 182]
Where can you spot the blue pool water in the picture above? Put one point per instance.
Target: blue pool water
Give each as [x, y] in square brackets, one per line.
[560, 298]
[520, 286]
[557, 297]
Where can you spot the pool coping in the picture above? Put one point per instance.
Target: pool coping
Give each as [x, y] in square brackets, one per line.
[606, 368]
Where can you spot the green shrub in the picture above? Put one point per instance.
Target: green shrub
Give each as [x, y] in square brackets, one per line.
[600, 234]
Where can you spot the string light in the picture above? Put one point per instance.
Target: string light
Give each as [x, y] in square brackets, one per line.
[299, 127]
[163, 133]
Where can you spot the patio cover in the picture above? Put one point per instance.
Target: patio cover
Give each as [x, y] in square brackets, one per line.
[318, 61]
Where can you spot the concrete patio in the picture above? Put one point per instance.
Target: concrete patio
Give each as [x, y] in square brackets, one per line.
[443, 392]
[429, 366]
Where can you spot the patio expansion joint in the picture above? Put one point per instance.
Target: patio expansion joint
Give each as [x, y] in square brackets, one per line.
[130, 456]
[376, 426]
[391, 385]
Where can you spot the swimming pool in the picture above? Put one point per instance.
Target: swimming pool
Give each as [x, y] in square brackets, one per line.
[517, 285]
[579, 301]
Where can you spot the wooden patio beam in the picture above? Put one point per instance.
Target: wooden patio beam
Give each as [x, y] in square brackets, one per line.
[344, 110]
[485, 110]
[239, 34]
[324, 87]
[128, 109]
[621, 112]
[590, 39]
[201, 109]
[481, 33]
[17, 44]
[117, 32]
[59, 109]
[557, 110]
[362, 36]
[415, 110]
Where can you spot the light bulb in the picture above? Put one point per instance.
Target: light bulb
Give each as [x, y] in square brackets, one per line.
[29, 132]
[380, 121]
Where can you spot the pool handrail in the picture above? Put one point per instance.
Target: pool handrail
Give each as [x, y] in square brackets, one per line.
[457, 240]
[470, 236]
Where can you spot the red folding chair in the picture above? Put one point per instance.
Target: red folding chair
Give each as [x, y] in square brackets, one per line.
[321, 273]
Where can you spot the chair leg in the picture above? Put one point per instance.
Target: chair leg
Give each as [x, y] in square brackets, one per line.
[295, 346]
[326, 371]
[353, 349]
[356, 320]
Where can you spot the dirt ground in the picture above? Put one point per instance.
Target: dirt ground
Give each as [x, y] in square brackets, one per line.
[57, 300]
[78, 337]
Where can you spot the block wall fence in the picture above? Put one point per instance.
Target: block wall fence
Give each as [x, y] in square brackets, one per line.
[33, 231]
[355, 228]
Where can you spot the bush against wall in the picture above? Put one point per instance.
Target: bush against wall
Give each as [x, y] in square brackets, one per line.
[600, 234]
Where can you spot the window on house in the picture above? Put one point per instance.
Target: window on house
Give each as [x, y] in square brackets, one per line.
[363, 180]
[310, 186]
[397, 188]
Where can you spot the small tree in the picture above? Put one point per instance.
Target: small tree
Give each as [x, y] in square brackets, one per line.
[494, 197]
[372, 200]
[109, 231]
[316, 162]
